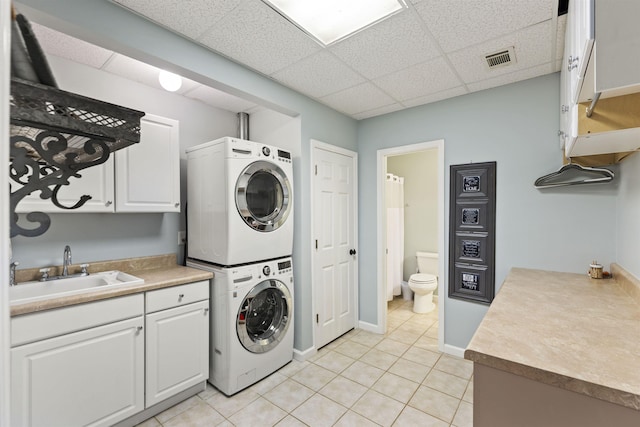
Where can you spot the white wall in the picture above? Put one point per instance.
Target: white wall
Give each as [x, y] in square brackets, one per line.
[516, 126]
[628, 216]
[420, 172]
[96, 237]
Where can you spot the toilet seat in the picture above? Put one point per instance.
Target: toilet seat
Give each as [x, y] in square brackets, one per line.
[422, 279]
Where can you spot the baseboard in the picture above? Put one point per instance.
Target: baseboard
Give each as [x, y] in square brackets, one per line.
[138, 418]
[370, 327]
[301, 356]
[454, 351]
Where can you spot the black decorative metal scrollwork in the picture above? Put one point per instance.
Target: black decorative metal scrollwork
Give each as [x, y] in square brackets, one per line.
[54, 135]
[39, 165]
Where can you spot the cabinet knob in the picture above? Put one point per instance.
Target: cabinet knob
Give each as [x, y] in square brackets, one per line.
[180, 297]
[206, 310]
[108, 203]
[177, 204]
[139, 329]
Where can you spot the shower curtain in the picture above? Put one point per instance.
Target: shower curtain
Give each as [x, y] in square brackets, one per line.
[394, 195]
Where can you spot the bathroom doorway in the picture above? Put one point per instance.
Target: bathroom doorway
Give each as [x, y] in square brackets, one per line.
[423, 217]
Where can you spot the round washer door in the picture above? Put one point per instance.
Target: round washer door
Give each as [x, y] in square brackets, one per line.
[264, 316]
[263, 196]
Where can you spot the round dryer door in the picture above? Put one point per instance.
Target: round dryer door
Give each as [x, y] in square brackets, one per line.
[263, 196]
[264, 316]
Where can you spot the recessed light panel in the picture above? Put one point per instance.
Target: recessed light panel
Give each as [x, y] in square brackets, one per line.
[332, 20]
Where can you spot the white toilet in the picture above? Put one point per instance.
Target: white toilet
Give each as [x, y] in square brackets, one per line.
[424, 282]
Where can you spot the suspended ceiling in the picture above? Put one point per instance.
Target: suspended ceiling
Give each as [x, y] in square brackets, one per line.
[431, 51]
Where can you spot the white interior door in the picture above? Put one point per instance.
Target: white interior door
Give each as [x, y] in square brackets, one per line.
[334, 239]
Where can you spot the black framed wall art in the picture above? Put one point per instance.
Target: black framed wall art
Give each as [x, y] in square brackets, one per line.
[472, 224]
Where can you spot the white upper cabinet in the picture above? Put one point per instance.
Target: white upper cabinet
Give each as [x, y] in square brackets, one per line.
[601, 63]
[144, 177]
[617, 54]
[148, 173]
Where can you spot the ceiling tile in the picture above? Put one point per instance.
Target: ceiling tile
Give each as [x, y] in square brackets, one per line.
[378, 111]
[392, 45]
[456, 24]
[439, 96]
[219, 99]
[558, 65]
[532, 47]
[319, 75]
[357, 99]
[64, 46]
[419, 80]
[141, 72]
[506, 79]
[188, 17]
[257, 36]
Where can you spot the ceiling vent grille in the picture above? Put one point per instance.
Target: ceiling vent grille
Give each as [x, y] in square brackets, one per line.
[500, 59]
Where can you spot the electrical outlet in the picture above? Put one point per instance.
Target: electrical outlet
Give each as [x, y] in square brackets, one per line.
[182, 238]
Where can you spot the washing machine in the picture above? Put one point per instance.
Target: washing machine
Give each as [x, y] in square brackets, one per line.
[251, 322]
[239, 202]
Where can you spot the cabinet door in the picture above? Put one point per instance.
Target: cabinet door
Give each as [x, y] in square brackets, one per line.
[177, 350]
[581, 32]
[148, 173]
[96, 181]
[92, 377]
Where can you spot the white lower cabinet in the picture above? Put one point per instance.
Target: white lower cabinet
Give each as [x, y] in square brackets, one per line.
[91, 377]
[177, 350]
[100, 363]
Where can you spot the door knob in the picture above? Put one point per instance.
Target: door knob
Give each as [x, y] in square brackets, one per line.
[352, 251]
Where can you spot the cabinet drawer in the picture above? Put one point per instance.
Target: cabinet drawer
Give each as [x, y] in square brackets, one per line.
[51, 323]
[176, 296]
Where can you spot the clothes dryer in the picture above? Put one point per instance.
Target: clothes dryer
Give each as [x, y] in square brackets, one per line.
[251, 322]
[239, 202]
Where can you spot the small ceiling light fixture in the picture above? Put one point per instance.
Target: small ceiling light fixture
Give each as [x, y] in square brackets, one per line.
[169, 81]
[330, 21]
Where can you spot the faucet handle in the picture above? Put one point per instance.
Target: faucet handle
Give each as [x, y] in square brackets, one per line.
[84, 268]
[45, 273]
[12, 273]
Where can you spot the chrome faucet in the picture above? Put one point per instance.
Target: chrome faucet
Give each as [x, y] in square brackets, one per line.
[66, 260]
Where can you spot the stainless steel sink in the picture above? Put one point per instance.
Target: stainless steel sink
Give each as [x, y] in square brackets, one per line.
[40, 291]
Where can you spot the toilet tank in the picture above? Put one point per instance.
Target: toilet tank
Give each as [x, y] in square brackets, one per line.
[427, 262]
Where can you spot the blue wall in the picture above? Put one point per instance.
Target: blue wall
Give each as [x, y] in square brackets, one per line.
[516, 126]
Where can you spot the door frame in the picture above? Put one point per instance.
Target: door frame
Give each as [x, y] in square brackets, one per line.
[382, 226]
[5, 54]
[315, 144]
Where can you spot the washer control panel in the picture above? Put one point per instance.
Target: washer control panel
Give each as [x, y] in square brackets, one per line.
[266, 270]
[284, 266]
[284, 156]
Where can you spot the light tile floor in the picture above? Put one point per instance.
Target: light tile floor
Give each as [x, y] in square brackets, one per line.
[361, 379]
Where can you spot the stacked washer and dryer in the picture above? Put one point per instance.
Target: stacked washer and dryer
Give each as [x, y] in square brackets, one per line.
[240, 227]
